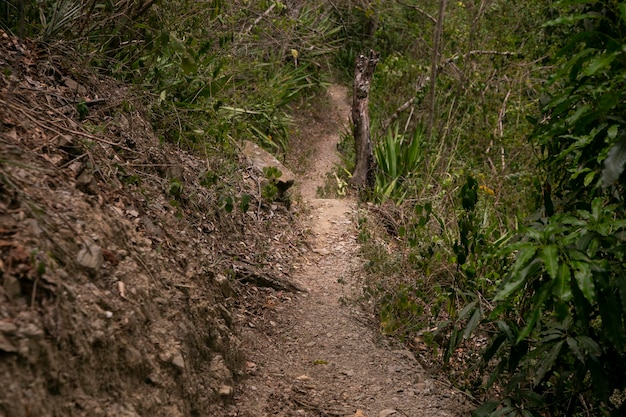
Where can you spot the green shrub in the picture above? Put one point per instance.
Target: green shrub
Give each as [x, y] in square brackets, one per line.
[561, 312]
[398, 160]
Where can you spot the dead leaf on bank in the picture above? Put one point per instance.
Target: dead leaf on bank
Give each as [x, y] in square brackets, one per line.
[359, 413]
[121, 288]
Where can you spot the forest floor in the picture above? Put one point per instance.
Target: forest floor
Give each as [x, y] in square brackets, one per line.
[316, 353]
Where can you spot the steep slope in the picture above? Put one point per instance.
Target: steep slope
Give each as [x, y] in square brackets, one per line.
[116, 255]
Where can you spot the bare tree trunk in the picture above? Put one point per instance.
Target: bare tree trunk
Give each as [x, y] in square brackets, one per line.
[434, 64]
[363, 176]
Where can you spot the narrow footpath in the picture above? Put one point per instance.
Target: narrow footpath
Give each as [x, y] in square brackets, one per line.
[314, 355]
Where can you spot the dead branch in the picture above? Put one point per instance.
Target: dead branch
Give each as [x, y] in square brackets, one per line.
[506, 53]
[258, 19]
[244, 272]
[421, 11]
[420, 85]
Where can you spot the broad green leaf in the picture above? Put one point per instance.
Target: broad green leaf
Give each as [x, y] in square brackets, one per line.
[244, 203]
[530, 324]
[502, 411]
[612, 131]
[575, 348]
[596, 208]
[589, 178]
[622, 10]
[531, 321]
[600, 380]
[188, 63]
[570, 19]
[550, 257]
[561, 288]
[535, 400]
[517, 278]
[485, 409]
[546, 364]
[473, 322]
[468, 309]
[590, 345]
[494, 347]
[581, 111]
[598, 63]
[510, 287]
[584, 279]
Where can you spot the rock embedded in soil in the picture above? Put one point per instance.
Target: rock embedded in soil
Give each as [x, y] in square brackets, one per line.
[90, 256]
[260, 159]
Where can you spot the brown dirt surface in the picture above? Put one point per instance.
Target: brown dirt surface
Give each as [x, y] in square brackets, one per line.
[119, 262]
[315, 353]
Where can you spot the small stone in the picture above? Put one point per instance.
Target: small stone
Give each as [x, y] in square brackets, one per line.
[90, 256]
[7, 327]
[6, 345]
[74, 86]
[226, 391]
[85, 177]
[34, 226]
[260, 159]
[31, 331]
[178, 361]
[349, 372]
[387, 412]
[322, 251]
[219, 370]
[303, 378]
[12, 287]
[76, 167]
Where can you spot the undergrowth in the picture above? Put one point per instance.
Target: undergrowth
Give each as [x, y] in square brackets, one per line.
[491, 244]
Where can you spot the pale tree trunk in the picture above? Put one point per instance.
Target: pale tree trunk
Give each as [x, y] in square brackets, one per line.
[434, 64]
[364, 171]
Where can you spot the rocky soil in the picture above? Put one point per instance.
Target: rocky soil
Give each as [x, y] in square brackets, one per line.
[119, 260]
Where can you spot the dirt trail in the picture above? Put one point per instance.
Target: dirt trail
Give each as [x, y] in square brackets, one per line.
[311, 355]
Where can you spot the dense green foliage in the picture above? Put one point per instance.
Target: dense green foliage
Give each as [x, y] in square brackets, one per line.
[568, 281]
[217, 71]
[527, 243]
